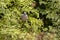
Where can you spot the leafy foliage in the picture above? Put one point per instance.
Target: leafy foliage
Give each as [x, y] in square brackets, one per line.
[43, 17]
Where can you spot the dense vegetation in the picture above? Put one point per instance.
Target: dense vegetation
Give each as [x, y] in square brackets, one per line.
[43, 21]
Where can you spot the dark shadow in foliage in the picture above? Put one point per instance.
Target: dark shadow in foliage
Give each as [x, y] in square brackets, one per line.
[47, 22]
[44, 0]
[58, 13]
[12, 4]
[47, 0]
[29, 22]
[37, 3]
[43, 6]
[1, 15]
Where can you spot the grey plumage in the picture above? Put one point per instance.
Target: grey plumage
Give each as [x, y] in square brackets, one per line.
[24, 16]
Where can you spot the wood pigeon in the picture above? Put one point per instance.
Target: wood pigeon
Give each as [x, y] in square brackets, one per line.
[24, 16]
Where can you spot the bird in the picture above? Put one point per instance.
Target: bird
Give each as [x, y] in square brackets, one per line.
[24, 16]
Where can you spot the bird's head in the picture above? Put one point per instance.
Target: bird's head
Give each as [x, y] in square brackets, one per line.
[24, 13]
